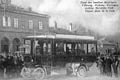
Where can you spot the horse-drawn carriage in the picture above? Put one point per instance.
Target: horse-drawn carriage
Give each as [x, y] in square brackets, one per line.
[46, 52]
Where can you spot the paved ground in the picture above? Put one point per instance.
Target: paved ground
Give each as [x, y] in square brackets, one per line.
[63, 77]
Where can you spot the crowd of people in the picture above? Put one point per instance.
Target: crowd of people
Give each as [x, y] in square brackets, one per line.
[10, 65]
[108, 65]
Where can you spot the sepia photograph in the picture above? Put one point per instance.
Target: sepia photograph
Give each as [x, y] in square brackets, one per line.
[59, 39]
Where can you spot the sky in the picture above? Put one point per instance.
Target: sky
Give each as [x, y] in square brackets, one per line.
[65, 12]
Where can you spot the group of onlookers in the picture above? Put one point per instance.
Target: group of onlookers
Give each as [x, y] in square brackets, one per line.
[108, 65]
[10, 65]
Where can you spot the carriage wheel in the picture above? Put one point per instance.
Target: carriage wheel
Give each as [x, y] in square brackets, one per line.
[26, 73]
[81, 72]
[39, 73]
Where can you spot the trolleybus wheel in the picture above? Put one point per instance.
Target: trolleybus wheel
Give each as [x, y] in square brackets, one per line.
[39, 73]
[26, 73]
[81, 72]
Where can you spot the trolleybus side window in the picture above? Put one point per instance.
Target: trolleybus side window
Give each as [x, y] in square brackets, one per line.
[81, 50]
[69, 46]
[74, 49]
[64, 47]
[27, 46]
[60, 48]
[39, 47]
[44, 48]
[85, 48]
[47, 48]
[91, 49]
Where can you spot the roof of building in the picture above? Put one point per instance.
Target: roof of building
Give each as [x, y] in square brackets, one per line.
[18, 9]
[60, 31]
[105, 42]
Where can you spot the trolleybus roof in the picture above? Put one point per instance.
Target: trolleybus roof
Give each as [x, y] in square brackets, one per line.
[62, 36]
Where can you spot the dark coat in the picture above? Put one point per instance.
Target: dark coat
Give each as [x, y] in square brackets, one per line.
[108, 63]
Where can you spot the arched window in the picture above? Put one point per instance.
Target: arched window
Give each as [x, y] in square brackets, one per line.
[5, 45]
[16, 44]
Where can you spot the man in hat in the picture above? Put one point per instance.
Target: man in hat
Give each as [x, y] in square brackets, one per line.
[108, 63]
[115, 65]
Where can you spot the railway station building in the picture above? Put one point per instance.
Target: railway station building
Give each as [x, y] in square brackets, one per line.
[16, 23]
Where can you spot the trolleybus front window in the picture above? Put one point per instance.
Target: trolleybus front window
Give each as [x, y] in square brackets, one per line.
[39, 48]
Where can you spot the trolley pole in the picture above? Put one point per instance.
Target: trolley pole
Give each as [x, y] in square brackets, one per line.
[34, 41]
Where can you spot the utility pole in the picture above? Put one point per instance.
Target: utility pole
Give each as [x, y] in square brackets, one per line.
[34, 43]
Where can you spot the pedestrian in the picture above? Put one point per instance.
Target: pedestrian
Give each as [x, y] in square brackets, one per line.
[1, 66]
[103, 64]
[10, 66]
[100, 65]
[115, 65]
[19, 65]
[108, 63]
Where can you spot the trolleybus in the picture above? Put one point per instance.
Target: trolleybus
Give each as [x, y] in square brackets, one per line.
[45, 52]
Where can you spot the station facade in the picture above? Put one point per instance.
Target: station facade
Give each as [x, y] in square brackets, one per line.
[16, 23]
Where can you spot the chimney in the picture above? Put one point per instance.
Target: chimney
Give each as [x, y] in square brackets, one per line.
[29, 9]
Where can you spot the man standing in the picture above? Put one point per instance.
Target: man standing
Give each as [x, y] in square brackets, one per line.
[101, 64]
[108, 63]
[115, 65]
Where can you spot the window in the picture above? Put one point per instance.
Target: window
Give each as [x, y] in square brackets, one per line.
[47, 48]
[6, 21]
[28, 48]
[60, 48]
[91, 48]
[9, 21]
[44, 48]
[15, 22]
[22, 24]
[30, 24]
[40, 25]
[81, 48]
[85, 48]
